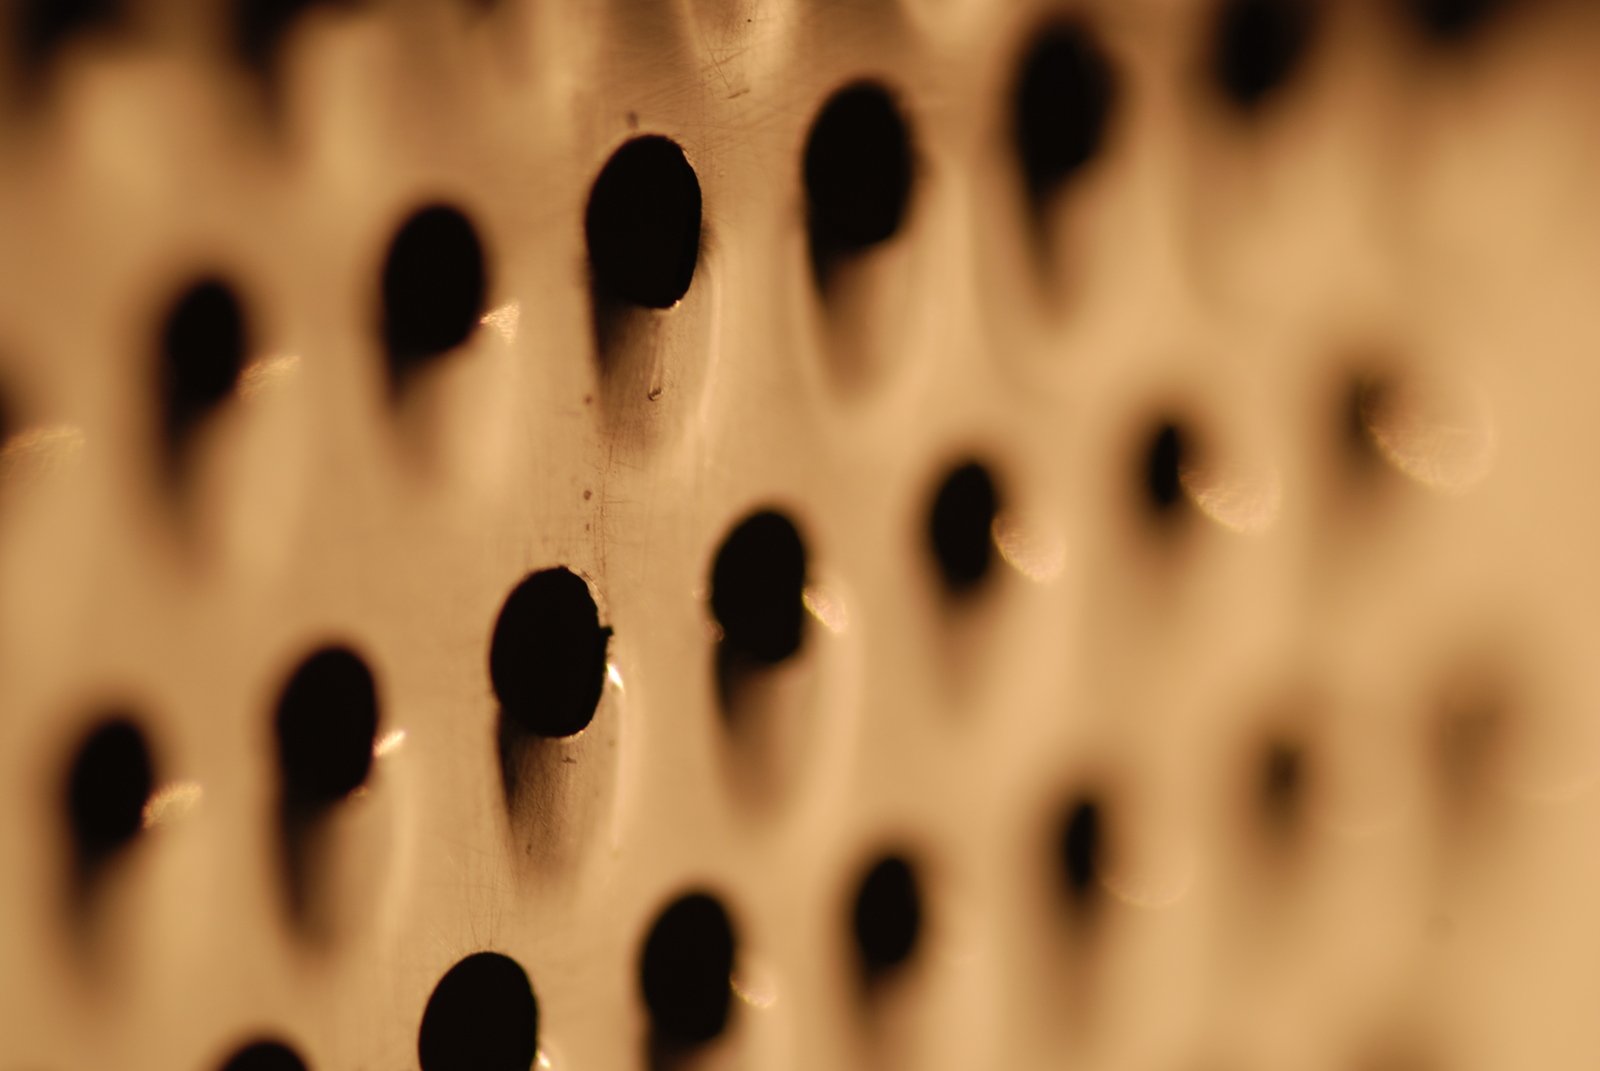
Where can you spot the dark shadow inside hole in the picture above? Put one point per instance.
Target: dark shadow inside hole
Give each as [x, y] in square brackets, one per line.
[1161, 469]
[547, 657]
[203, 346]
[1281, 789]
[43, 27]
[435, 284]
[961, 527]
[547, 666]
[107, 787]
[888, 917]
[757, 590]
[327, 717]
[1063, 101]
[685, 974]
[1257, 46]
[265, 1056]
[1449, 21]
[858, 173]
[643, 225]
[482, 1016]
[1080, 851]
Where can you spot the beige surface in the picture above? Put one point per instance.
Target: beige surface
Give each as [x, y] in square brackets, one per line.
[1425, 216]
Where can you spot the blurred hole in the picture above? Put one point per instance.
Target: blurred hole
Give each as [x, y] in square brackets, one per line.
[327, 718]
[685, 971]
[434, 286]
[961, 526]
[265, 1056]
[643, 224]
[1257, 46]
[888, 916]
[260, 28]
[1471, 730]
[1281, 789]
[203, 346]
[1063, 100]
[42, 27]
[547, 660]
[482, 1016]
[1452, 20]
[858, 164]
[1166, 453]
[757, 589]
[1081, 849]
[107, 787]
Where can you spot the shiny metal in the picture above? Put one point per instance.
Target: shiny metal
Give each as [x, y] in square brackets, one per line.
[1371, 302]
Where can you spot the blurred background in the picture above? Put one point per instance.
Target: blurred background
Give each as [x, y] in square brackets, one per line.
[710, 534]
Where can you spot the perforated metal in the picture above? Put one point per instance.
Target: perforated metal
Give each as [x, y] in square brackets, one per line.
[1254, 729]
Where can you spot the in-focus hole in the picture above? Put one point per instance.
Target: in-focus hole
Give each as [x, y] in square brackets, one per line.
[265, 1056]
[1452, 20]
[434, 287]
[482, 1016]
[643, 224]
[1081, 850]
[203, 346]
[888, 915]
[107, 787]
[1161, 465]
[961, 526]
[858, 171]
[1258, 45]
[1064, 97]
[327, 718]
[547, 659]
[685, 971]
[757, 589]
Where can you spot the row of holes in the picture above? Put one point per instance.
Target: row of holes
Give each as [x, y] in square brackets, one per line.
[483, 1013]
[547, 654]
[1256, 42]
[643, 220]
[547, 665]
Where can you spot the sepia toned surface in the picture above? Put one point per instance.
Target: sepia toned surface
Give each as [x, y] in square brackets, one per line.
[1263, 738]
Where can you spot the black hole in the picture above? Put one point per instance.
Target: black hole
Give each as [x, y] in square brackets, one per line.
[1063, 103]
[107, 788]
[1282, 786]
[482, 1017]
[685, 971]
[203, 346]
[265, 1056]
[547, 660]
[434, 286]
[327, 717]
[44, 26]
[1162, 468]
[1257, 46]
[757, 587]
[960, 526]
[888, 915]
[1082, 847]
[857, 171]
[1453, 20]
[643, 224]
[260, 27]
